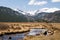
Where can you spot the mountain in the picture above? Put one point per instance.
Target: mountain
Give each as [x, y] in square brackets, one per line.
[48, 17]
[10, 15]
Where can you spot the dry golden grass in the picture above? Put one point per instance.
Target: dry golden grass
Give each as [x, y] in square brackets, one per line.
[18, 27]
[55, 36]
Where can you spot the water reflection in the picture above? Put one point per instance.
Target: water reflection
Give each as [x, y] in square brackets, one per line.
[36, 31]
[13, 37]
[20, 36]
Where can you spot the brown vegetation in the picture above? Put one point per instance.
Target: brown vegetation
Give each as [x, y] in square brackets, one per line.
[53, 28]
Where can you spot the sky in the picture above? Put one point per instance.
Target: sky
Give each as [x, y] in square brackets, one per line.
[32, 6]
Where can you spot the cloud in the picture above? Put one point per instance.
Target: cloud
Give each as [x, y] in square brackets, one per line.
[34, 2]
[55, 0]
[49, 10]
[31, 2]
[15, 9]
[32, 12]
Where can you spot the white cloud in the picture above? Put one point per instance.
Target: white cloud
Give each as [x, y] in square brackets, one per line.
[31, 2]
[15, 9]
[32, 12]
[55, 0]
[43, 10]
[49, 10]
[24, 12]
[34, 2]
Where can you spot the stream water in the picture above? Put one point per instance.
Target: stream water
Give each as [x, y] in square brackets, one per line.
[20, 36]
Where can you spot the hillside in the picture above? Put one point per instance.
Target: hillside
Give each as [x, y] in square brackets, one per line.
[9, 15]
[48, 17]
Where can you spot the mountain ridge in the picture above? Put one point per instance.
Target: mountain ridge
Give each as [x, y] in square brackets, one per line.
[10, 15]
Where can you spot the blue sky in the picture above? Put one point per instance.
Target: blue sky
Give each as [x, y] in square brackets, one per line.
[30, 5]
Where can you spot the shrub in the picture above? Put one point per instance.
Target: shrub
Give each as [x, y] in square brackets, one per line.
[4, 26]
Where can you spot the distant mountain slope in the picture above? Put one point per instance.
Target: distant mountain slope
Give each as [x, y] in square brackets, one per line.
[48, 17]
[9, 15]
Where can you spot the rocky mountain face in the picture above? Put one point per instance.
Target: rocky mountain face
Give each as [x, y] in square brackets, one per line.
[10, 15]
[48, 17]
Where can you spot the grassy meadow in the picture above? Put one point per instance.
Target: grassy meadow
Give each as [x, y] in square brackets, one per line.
[8, 27]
